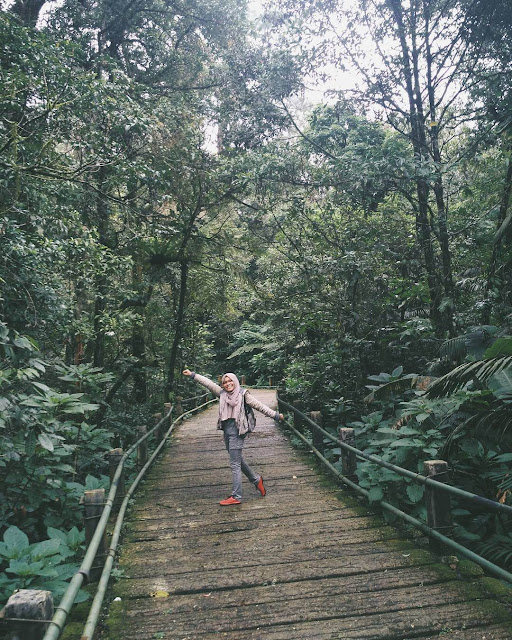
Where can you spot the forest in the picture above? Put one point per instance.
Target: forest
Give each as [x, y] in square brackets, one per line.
[313, 192]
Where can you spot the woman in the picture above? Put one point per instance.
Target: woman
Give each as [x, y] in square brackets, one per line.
[232, 421]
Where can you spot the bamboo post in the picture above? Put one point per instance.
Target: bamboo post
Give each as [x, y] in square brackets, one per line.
[114, 458]
[280, 396]
[348, 458]
[94, 503]
[318, 438]
[168, 422]
[142, 449]
[25, 613]
[159, 433]
[439, 515]
[179, 405]
[298, 421]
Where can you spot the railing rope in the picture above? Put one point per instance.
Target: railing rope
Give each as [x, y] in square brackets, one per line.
[116, 468]
[434, 485]
[417, 477]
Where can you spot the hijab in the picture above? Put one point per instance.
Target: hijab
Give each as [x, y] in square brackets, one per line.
[230, 403]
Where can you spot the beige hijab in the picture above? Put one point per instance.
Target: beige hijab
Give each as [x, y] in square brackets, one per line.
[230, 403]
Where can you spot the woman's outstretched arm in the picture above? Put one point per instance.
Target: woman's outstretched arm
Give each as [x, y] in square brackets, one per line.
[206, 382]
[262, 408]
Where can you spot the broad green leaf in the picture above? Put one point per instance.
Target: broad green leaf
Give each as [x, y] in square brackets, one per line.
[40, 386]
[473, 446]
[45, 549]
[57, 534]
[45, 442]
[375, 494]
[415, 492]
[16, 541]
[501, 347]
[504, 457]
[25, 569]
[75, 538]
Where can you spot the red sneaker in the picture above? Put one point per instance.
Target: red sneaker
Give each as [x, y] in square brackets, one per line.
[229, 501]
[261, 487]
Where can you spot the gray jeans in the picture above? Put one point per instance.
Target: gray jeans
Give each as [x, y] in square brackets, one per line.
[234, 445]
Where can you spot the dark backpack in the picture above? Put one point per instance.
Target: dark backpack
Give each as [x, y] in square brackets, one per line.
[249, 416]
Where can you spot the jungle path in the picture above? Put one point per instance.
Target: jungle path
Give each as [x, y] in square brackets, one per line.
[307, 562]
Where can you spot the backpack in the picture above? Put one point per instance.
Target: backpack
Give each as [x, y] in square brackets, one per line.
[250, 418]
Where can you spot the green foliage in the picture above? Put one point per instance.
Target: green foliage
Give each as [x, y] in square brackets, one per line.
[48, 564]
[46, 444]
[85, 378]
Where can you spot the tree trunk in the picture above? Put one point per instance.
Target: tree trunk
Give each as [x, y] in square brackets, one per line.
[184, 266]
[138, 339]
[442, 214]
[420, 148]
[100, 280]
[502, 230]
[28, 11]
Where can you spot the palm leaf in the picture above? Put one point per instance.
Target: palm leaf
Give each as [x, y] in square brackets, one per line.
[398, 386]
[454, 349]
[500, 347]
[494, 424]
[501, 384]
[462, 375]
[474, 343]
[249, 348]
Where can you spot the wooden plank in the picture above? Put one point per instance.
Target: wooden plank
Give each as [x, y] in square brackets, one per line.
[299, 564]
[394, 624]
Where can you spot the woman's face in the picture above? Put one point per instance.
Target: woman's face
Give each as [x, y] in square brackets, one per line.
[228, 384]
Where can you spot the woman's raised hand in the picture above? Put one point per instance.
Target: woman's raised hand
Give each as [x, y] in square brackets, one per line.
[187, 372]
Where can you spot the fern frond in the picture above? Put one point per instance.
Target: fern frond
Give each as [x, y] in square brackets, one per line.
[397, 386]
[495, 424]
[249, 348]
[475, 342]
[462, 375]
[497, 549]
[454, 349]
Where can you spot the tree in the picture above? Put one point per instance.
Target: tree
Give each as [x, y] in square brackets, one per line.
[418, 77]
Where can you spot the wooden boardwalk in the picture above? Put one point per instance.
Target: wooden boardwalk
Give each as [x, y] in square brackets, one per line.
[307, 562]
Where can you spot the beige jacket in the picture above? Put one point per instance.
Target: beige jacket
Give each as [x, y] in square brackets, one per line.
[249, 399]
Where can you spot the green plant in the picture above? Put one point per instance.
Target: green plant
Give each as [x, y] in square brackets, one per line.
[42, 565]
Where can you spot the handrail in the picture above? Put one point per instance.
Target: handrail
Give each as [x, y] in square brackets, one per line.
[56, 626]
[486, 564]
[202, 395]
[417, 477]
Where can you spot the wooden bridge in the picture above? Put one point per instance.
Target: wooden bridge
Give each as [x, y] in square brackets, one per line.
[308, 561]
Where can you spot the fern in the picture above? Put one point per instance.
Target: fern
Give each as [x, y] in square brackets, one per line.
[497, 549]
[401, 385]
[494, 423]
[480, 371]
[249, 348]
[474, 343]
